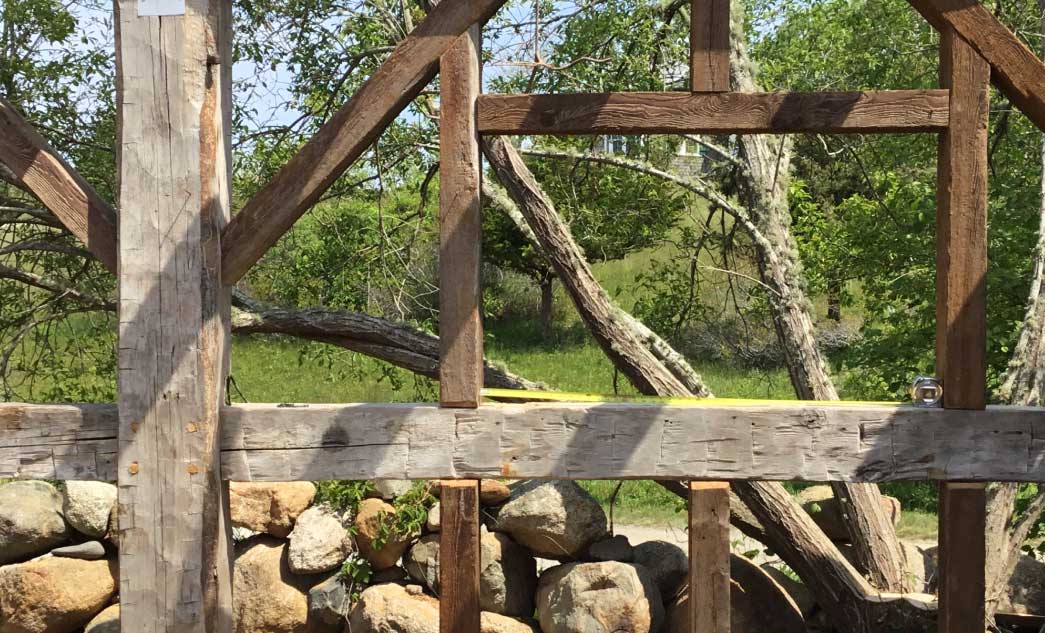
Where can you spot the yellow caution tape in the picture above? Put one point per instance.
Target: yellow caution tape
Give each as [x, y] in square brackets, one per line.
[565, 396]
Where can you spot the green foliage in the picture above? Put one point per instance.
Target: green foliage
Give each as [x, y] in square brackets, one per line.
[355, 574]
[342, 496]
[411, 512]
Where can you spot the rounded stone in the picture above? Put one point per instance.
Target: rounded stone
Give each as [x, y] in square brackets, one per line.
[54, 595]
[31, 520]
[88, 505]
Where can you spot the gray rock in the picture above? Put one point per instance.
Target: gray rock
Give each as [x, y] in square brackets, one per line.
[389, 489]
[108, 621]
[329, 602]
[667, 563]
[318, 543]
[91, 550]
[614, 548]
[433, 521]
[609, 596]
[555, 519]
[88, 505]
[31, 520]
[507, 577]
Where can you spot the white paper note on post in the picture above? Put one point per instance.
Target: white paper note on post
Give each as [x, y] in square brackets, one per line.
[160, 7]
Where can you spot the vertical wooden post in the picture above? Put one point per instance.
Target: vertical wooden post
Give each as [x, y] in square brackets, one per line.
[961, 319]
[709, 45]
[174, 105]
[460, 226]
[709, 605]
[460, 319]
[459, 556]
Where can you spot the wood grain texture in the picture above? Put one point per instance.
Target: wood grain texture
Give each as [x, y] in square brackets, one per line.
[342, 139]
[58, 441]
[1018, 72]
[460, 226]
[174, 104]
[723, 113]
[709, 45]
[961, 318]
[709, 557]
[811, 442]
[460, 551]
[963, 558]
[58, 186]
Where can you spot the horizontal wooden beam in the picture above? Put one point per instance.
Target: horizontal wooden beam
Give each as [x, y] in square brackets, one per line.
[58, 441]
[59, 187]
[721, 113]
[344, 138]
[759, 441]
[1016, 70]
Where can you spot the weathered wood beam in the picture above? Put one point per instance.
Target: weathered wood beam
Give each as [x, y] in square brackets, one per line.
[58, 441]
[344, 138]
[718, 113]
[460, 226]
[709, 560]
[961, 319]
[1017, 71]
[58, 186]
[757, 441]
[174, 103]
[632, 441]
[709, 46]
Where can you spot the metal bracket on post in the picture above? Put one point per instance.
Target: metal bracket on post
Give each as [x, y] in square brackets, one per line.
[927, 392]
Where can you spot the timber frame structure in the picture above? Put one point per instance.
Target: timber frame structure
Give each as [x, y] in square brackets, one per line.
[176, 250]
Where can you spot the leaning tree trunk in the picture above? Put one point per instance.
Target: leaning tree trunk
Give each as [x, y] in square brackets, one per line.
[778, 521]
[400, 344]
[1023, 384]
[764, 190]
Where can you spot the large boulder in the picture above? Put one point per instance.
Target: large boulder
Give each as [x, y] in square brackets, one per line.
[555, 519]
[318, 543]
[108, 621]
[607, 597]
[667, 563]
[507, 577]
[31, 520]
[269, 597]
[757, 604]
[54, 595]
[392, 608]
[381, 555]
[269, 507]
[88, 505]
[1026, 592]
[820, 503]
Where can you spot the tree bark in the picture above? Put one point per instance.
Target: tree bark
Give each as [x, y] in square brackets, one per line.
[764, 191]
[547, 297]
[624, 347]
[1022, 384]
[397, 343]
